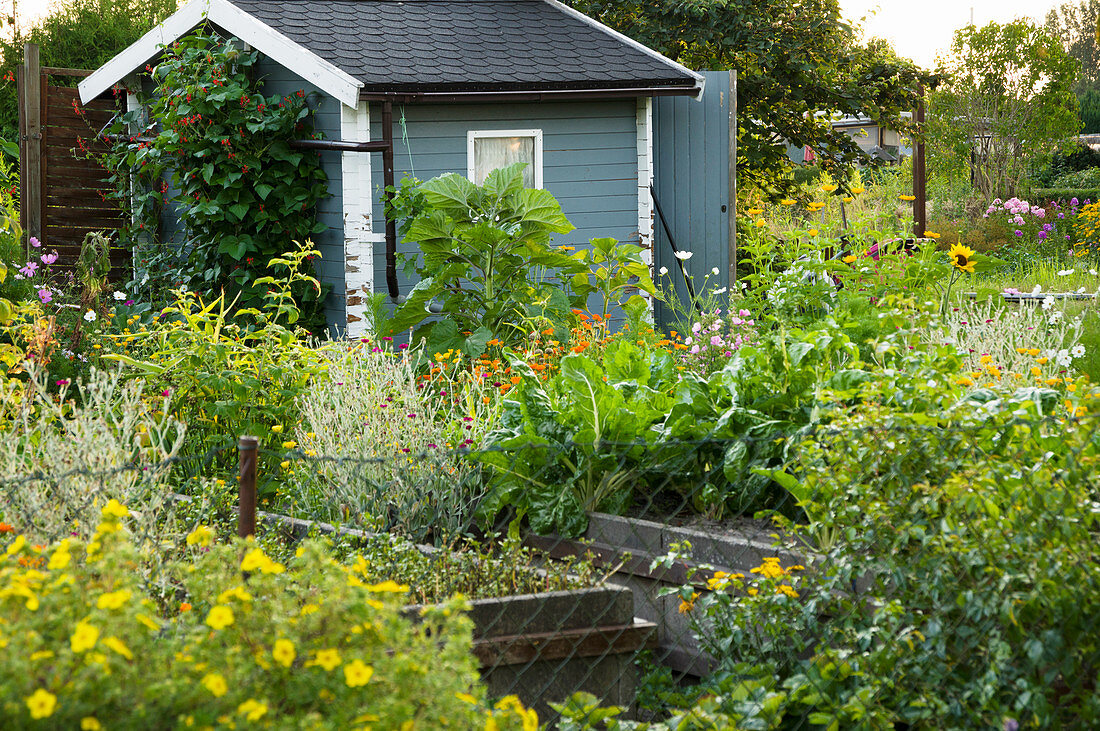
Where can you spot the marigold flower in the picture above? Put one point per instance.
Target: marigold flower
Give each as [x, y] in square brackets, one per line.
[41, 703]
[357, 674]
[83, 638]
[113, 599]
[283, 652]
[115, 509]
[215, 683]
[185, 607]
[220, 617]
[5, 528]
[256, 560]
[252, 709]
[327, 659]
[787, 202]
[849, 259]
[907, 197]
[201, 536]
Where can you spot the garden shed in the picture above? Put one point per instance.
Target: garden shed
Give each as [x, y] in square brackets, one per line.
[425, 87]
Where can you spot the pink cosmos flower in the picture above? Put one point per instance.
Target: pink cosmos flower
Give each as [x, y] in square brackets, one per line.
[48, 259]
[34, 242]
[45, 295]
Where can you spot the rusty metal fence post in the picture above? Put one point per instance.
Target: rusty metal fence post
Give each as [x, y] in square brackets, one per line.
[246, 515]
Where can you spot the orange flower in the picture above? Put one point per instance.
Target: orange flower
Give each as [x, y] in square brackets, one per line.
[515, 380]
[537, 367]
[548, 331]
[485, 399]
[185, 607]
[581, 348]
[5, 528]
[596, 317]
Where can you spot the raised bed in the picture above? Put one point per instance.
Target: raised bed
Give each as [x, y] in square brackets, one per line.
[542, 647]
[632, 545]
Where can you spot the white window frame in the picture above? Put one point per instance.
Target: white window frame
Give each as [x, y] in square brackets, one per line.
[477, 134]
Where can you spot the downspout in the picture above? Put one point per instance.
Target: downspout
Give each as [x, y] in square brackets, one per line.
[387, 177]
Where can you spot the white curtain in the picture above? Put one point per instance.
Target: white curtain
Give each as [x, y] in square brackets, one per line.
[491, 153]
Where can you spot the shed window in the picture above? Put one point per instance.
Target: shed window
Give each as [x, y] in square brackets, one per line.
[487, 150]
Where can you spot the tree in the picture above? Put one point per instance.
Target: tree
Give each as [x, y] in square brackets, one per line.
[798, 66]
[81, 34]
[1075, 24]
[1008, 97]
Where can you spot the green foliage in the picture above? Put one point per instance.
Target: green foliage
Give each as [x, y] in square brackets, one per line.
[1089, 102]
[242, 193]
[225, 380]
[1074, 23]
[1065, 158]
[617, 268]
[485, 261]
[1008, 97]
[1088, 178]
[308, 644]
[1065, 195]
[81, 34]
[793, 61]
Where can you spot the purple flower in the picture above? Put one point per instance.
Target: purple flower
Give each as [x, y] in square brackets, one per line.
[48, 259]
[34, 242]
[62, 382]
[29, 270]
[45, 295]
[1073, 201]
[165, 392]
[1018, 232]
[1042, 235]
[128, 302]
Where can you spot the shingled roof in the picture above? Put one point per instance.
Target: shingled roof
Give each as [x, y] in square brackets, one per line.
[466, 45]
[423, 48]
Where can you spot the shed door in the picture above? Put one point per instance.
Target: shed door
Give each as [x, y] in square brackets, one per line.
[692, 186]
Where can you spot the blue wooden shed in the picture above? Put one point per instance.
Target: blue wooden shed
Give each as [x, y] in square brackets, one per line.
[426, 87]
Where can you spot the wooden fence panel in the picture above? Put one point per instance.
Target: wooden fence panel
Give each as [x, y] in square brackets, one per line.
[64, 196]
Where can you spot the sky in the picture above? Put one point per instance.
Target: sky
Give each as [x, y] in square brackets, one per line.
[918, 29]
[921, 29]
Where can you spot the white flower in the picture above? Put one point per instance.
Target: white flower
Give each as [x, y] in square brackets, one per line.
[1048, 302]
[1064, 358]
[720, 291]
[1077, 351]
[119, 296]
[683, 255]
[1037, 289]
[90, 316]
[663, 271]
[714, 272]
[1092, 272]
[1065, 272]
[1055, 317]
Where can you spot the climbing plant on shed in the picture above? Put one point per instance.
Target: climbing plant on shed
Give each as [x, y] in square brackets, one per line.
[213, 151]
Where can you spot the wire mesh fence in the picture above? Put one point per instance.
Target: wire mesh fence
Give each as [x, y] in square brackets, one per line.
[880, 574]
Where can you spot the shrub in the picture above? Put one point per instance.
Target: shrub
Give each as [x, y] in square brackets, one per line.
[309, 644]
[1087, 178]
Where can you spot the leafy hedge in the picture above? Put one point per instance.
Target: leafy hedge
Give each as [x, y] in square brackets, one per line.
[1066, 194]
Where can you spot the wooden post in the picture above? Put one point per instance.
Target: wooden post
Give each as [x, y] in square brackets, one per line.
[246, 506]
[732, 244]
[920, 207]
[30, 111]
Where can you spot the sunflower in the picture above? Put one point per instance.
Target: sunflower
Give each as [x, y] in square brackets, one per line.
[962, 257]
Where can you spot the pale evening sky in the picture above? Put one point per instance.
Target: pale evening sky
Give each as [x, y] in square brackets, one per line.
[919, 29]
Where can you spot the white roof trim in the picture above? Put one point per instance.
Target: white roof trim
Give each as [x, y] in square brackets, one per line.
[700, 80]
[311, 67]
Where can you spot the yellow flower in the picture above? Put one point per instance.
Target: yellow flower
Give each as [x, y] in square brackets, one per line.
[283, 652]
[83, 638]
[115, 509]
[290, 444]
[787, 591]
[90, 723]
[829, 188]
[148, 622]
[252, 709]
[1033, 351]
[813, 232]
[285, 464]
[356, 673]
[760, 223]
[118, 646]
[787, 202]
[201, 536]
[40, 655]
[41, 703]
[388, 586]
[770, 569]
[907, 197]
[847, 199]
[1042, 361]
[278, 429]
[849, 259]
[60, 558]
[328, 659]
[962, 258]
[686, 605]
[113, 600]
[16, 545]
[1036, 371]
[857, 191]
[256, 560]
[235, 593]
[220, 617]
[308, 609]
[215, 683]
[931, 235]
[755, 211]
[466, 698]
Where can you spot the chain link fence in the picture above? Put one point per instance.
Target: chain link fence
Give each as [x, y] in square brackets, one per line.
[876, 575]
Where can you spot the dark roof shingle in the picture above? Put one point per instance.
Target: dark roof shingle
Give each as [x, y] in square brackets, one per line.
[464, 45]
